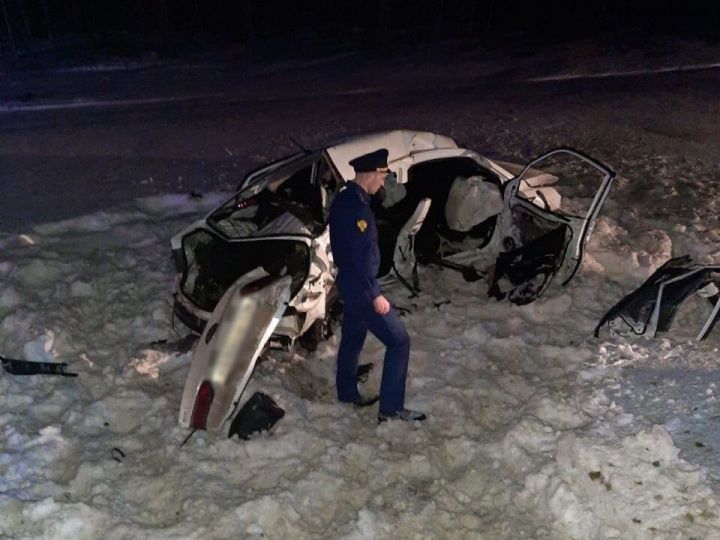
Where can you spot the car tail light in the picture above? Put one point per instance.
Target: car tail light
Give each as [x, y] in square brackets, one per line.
[250, 201]
[203, 400]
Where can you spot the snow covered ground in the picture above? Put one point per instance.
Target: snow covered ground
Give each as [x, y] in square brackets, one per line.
[535, 429]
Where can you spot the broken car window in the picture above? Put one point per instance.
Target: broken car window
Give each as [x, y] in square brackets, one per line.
[563, 184]
[286, 202]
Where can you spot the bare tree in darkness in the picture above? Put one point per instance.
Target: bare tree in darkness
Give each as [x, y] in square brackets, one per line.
[27, 30]
[163, 18]
[130, 25]
[490, 13]
[46, 19]
[199, 19]
[384, 17]
[11, 37]
[440, 18]
[248, 21]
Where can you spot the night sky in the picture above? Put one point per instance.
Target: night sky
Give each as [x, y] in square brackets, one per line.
[130, 27]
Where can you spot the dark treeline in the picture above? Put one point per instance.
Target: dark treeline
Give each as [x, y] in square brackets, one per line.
[176, 24]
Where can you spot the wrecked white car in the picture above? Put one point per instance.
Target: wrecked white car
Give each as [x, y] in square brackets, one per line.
[652, 308]
[258, 270]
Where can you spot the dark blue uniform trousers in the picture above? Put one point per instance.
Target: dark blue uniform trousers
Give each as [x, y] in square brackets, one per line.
[357, 320]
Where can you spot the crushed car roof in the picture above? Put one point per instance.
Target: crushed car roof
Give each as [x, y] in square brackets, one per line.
[400, 143]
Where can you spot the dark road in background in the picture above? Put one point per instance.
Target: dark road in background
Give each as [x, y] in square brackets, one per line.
[181, 128]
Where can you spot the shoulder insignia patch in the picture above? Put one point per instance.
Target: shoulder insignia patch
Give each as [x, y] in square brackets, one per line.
[362, 225]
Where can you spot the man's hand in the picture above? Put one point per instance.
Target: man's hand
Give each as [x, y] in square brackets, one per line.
[381, 305]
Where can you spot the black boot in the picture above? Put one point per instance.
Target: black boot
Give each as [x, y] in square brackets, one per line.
[363, 401]
[406, 415]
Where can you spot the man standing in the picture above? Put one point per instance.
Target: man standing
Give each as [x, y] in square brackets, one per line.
[354, 243]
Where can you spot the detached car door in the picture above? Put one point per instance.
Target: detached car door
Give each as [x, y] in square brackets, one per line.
[550, 209]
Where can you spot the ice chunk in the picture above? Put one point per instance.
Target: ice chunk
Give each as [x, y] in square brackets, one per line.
[40, 349]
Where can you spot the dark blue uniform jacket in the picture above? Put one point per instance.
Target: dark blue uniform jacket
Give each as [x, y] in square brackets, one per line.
[354, 244]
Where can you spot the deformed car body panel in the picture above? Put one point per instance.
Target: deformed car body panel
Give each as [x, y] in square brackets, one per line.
[523, 273]
[225, 355]
[651, 308]
[404, 262]
[400, 144]
[212, 263]
[577, 228]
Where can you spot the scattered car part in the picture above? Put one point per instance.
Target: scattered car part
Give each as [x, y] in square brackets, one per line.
[117, 454]
[180, 346]
[652, 307]
[469, 273]
[225, 355]
[260, 413]
[25, 367]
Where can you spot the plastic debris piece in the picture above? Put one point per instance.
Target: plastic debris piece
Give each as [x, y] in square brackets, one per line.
[260, 413]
